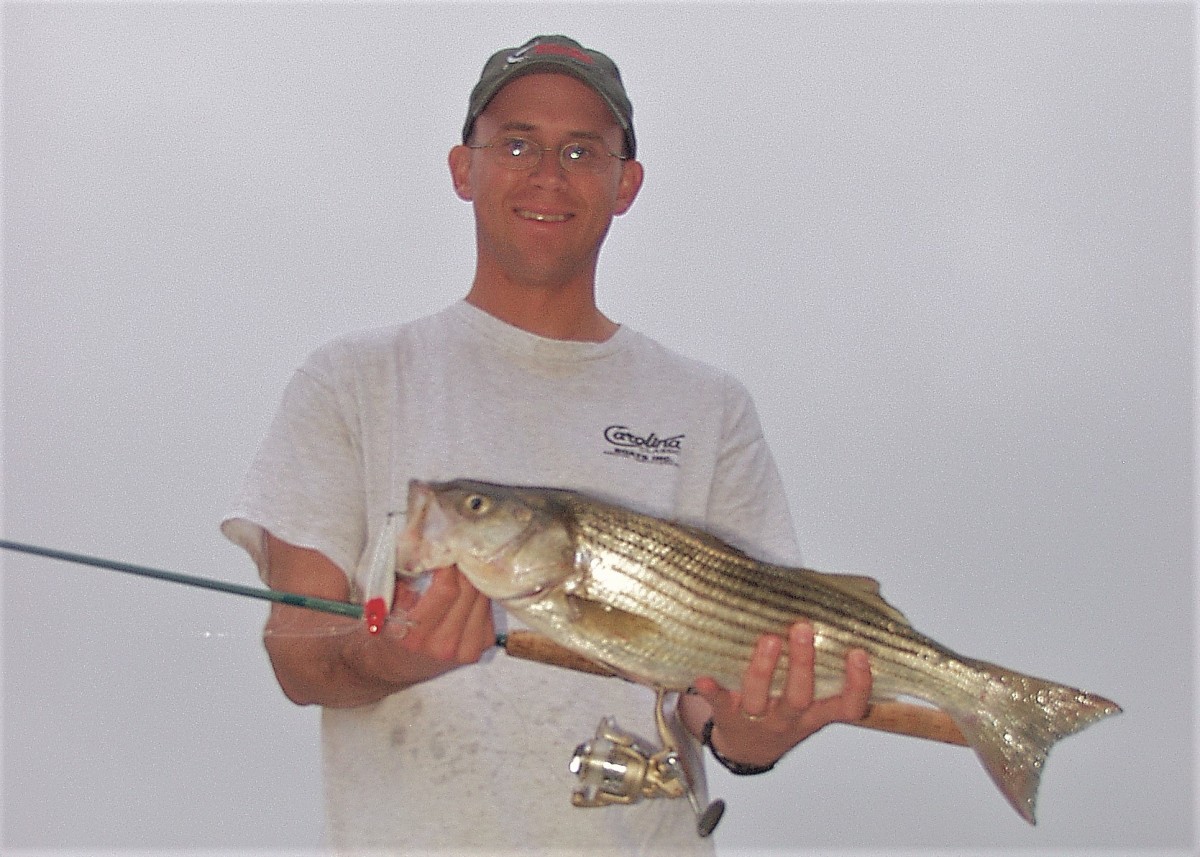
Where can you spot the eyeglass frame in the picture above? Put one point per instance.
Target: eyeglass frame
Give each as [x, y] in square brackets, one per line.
[503, 137]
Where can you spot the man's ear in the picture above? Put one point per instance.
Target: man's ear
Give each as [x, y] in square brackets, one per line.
[629, 185]
[460, 172]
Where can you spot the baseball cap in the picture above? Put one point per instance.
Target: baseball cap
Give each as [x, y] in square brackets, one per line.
[560, 54]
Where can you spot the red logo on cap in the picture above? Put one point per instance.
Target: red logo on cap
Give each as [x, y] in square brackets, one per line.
[566, 51]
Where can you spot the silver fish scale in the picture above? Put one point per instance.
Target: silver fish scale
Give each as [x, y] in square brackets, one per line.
[665, 605]
[649, 568]
[644, 568]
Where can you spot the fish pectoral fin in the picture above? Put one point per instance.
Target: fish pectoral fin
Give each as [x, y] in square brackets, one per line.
[865, 589]
[610, 621]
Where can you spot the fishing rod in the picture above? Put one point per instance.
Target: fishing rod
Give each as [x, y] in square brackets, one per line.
[310, 602]
[917, 721]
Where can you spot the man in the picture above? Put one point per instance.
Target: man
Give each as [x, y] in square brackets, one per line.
[431, 742]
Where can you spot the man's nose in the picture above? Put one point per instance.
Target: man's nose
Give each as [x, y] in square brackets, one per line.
[550, 167]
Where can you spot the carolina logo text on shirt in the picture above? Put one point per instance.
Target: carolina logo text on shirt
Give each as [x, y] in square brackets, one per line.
[647, 449]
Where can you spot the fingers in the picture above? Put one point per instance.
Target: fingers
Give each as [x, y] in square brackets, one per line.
[752, 726]
[756, 683]
[849, 704]
[481, 633]
[800, 686]
[451, 620]
[802, 656]
[856, 693]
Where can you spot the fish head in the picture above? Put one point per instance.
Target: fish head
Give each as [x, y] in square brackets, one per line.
[509, 542]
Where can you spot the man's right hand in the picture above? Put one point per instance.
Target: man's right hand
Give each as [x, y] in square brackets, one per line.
[450, 621]
[448, 625]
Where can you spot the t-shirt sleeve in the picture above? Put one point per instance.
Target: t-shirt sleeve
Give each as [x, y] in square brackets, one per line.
[748, 504]
[305, 485]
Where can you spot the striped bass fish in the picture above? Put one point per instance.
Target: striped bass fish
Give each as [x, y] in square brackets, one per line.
[664, 604]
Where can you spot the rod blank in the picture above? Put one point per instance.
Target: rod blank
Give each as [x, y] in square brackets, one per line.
[325, 605]
[897, 717]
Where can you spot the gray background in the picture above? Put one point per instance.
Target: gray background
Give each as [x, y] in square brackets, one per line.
[948, 247]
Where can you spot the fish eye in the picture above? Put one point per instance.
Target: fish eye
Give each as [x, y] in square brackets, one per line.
[477, 504]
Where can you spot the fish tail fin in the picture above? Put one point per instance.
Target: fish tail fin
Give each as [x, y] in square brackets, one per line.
[1015, 722]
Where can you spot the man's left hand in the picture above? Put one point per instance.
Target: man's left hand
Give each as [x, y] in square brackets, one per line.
[751, 727]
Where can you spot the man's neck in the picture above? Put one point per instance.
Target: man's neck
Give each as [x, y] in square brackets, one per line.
[551, 313]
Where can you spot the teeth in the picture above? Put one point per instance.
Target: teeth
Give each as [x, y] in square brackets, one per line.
[543, 218]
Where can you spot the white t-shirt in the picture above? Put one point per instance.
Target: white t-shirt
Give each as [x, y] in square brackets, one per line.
[476, 760]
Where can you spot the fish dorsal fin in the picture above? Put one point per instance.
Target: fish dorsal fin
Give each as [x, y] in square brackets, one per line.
[865, 589]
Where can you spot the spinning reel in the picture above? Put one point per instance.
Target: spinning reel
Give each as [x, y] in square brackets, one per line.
[617, 767]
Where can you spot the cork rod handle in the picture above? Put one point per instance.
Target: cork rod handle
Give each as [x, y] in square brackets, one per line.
[900, 718]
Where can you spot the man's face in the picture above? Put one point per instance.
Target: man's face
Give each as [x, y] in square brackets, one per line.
[544, 227]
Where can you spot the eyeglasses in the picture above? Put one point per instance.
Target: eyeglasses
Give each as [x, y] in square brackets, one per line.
[577, 156]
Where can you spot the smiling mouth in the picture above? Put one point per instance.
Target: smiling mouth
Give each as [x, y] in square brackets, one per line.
[541, 216]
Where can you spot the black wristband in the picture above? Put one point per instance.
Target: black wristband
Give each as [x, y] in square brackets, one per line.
[739, 768]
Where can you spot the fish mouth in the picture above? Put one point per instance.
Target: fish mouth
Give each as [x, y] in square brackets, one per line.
[423, 545]
[431, 540]
[413, 546]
